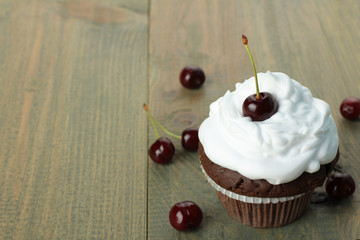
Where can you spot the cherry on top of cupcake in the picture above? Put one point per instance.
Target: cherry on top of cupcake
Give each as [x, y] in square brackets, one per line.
[261, 105]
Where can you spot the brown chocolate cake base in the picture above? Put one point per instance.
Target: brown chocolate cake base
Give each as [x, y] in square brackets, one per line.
[237, 183]
[282, 203]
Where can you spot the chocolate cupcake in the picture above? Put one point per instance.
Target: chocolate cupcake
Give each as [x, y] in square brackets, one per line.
[265, 172]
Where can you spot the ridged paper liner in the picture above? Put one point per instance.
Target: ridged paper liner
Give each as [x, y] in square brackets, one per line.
[262, 212]
[268, 215]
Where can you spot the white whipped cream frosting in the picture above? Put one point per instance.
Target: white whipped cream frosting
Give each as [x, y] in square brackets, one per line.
[298, 138]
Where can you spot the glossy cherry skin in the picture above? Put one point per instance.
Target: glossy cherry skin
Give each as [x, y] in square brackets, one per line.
[185, 215]
[350, 108]
[190, 139]
[340, 185]
[162, 150]
[192, 77]
[260, 109]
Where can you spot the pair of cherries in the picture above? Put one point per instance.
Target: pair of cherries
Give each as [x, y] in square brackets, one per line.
[163, 150]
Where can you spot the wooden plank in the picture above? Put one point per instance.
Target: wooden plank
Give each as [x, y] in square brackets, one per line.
[73, 79]
[315, 43]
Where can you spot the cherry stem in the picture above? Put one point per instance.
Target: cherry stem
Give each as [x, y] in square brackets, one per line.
[245, 41]
[167, 131]
[153, 121]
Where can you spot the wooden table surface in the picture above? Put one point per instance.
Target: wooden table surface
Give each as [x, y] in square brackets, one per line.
[74, 75]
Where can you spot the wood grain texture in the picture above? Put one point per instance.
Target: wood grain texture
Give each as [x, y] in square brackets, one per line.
[314, 42]
[73, 136]
[73, 79]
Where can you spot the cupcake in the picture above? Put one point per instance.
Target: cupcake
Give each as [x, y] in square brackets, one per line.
[265, 172]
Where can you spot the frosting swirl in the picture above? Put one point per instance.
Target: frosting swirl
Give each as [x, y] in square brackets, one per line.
[299, 137]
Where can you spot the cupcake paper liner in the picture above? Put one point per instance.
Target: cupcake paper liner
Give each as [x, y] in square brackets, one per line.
[261, 212]
[268, 215]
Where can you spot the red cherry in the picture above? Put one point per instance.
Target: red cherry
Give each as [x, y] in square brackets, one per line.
[350, 108]
[262, 105]
[260, 109]
[162, 150]
[340, 185]
[190, 139]
[192, 77]
[185, 215]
